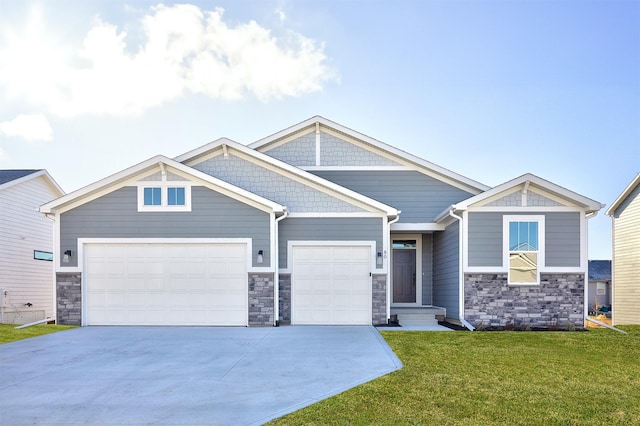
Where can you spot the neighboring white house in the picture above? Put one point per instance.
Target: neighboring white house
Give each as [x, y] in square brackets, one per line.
[625, 217]
[26, 246]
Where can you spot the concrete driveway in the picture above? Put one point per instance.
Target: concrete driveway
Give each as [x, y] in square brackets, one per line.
[183, 375]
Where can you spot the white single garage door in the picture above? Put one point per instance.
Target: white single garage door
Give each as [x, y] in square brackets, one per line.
[166, 284]
[331, 285]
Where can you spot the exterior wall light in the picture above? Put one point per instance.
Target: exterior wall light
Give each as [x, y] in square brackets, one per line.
[379, 259]
[66, 257]
[260, 257]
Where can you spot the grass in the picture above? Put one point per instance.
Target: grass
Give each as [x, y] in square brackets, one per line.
[8, 332]
[485, 378]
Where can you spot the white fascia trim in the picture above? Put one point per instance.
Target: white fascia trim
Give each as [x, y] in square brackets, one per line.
[329, 125]
[518, 209]
[302, 243]
[635, 182]
[415, 227]
[336, 214]
[299, 175]
[356, 168]
[544, 185]
[203, 149]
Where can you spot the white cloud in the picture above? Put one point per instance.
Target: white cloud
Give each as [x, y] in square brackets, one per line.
[185, 50]
[34, 127]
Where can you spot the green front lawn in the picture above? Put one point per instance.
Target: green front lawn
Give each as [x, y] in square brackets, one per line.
[8, 332]
[479, 378]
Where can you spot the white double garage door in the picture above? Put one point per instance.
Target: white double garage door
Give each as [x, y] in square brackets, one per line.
[207, 284]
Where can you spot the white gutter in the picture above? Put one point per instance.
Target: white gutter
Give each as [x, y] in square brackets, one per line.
[463, 321]
[276, 273]
[586, 271]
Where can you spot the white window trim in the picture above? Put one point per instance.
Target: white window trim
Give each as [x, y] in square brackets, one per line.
[164, 189]
[506, 219]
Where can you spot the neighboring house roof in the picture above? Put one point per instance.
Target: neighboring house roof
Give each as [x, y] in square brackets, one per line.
[472, 185]
[124, 177]
[224, 144]
[527, 181]
[10, 178]
[599, 270]
[628, 190]
[9, 175]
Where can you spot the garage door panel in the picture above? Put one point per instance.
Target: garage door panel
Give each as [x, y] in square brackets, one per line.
[166, 284]
[331, 285]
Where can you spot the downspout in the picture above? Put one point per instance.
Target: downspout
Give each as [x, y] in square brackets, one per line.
[52, 218]
[463, 321]
[388, 264]
[586, 271]
[276, 273]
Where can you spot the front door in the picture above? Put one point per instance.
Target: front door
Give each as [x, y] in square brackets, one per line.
[405, 264]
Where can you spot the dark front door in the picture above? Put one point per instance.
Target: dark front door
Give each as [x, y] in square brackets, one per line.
[404, 276]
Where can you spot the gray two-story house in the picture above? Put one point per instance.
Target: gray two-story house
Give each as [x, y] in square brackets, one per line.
[317, 224]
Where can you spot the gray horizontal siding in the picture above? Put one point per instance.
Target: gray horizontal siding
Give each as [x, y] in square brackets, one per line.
[485, 239]
[446, 270]
[212, 215]
[328, 229]
[420, 197]
[427, 269]
[562, 238]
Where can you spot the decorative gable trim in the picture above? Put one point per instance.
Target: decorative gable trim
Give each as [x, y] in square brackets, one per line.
[222, 146]
[402, 158]
[535, 193]
[133, 175]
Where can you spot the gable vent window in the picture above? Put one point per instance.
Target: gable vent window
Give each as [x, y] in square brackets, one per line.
[165, 198]
[153, 196]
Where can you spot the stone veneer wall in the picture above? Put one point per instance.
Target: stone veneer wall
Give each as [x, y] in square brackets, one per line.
[557, 302]
[379, 299]
[284, 303]
[69, 298]
[261, 306]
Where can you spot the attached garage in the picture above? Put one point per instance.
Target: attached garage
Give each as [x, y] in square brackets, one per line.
[331, 285]
[165, 284]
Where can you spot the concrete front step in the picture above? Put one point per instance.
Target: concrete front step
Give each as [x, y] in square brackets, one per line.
[417, 318]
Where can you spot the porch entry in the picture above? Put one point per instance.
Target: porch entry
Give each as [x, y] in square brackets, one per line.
[406, 282]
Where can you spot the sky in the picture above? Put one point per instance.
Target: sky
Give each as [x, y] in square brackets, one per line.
[488, 89]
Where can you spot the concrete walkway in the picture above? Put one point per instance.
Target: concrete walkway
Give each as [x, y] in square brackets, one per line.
[183, 375]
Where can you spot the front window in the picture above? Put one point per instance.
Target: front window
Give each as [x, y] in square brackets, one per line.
[152, 197]
[175, 196]
[164, 198]
[524, 237]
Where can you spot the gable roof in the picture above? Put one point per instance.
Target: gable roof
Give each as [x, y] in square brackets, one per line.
[9, 178]
[9, 175]
[422, 164]
[533, 181]
[224, 144]
[113, 182]
[622, 197]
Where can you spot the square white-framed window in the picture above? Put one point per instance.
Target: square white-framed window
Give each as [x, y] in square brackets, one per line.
[164, 197]
[523, 247]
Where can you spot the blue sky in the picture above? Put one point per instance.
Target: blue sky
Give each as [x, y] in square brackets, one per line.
[488, 89]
